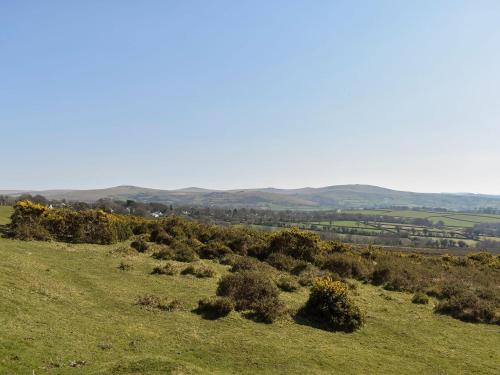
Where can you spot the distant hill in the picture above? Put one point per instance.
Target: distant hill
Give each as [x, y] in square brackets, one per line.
[337, 196]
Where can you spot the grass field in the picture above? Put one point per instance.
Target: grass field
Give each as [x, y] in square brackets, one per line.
[5, 213]
[64, 303]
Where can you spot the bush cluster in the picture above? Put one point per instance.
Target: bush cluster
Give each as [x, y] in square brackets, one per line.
[36, 221]
[330, 307]
[253, 291]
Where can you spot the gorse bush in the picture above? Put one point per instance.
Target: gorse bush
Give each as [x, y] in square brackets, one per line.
[214, 308]
[330, 307]
[90, 226]
[295, 243]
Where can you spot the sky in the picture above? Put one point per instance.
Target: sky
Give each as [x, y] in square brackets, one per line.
[245, 94]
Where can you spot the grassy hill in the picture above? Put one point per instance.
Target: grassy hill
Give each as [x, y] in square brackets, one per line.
[340, 196]
[69, 309]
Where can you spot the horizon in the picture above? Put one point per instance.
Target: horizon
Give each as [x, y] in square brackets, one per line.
[238, 188]
[233, 95]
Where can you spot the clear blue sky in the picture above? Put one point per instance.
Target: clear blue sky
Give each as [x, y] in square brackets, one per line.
[226, 94]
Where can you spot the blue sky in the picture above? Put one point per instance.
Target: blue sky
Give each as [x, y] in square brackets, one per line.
[227, 94]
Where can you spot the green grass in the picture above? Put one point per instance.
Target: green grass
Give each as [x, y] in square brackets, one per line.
[5, 212]
[64, 303]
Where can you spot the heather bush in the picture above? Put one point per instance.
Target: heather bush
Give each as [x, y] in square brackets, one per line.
[330, 307]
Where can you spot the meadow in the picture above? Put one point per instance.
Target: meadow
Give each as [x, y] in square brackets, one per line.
[72, 309]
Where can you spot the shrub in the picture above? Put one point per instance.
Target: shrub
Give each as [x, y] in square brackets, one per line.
[295, 243]
[183, 253]
[467, 306]
[287, 284]
[268, 310]
[198, 271]
[245, 264]
[139, 245]
[215, 308]
[161, 237]
[214, 250]
[167, 269]
[330, 307]
[420, 298]
[246, 287]
[346, 265]
[36, 221]
[164, 253]
[151, 301]
[284, 262]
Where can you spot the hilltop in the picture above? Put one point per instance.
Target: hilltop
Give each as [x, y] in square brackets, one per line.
[336, 196]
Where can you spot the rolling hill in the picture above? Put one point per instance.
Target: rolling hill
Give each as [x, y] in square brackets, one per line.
[337, 196]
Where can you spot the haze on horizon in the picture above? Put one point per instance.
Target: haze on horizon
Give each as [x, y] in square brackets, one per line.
[250, 95]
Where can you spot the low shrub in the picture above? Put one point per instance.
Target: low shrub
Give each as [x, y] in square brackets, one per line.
[346, 265]
[199, 271]
[287, 284]
[245, 264]
[183, 253]
[140, 245]
[268, 310]
[151, 301]
[215, 308]
[164, 253]
[467, 306]
[283, 262]
[160, 236]
[167, 269]
[330, 307]
[246, 288]
[295, 243]
[214, 250]
[125, 266]
[420, 298]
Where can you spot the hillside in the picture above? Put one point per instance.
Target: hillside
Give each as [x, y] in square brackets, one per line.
[70, 309]
[69, 305]
[339, 196]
